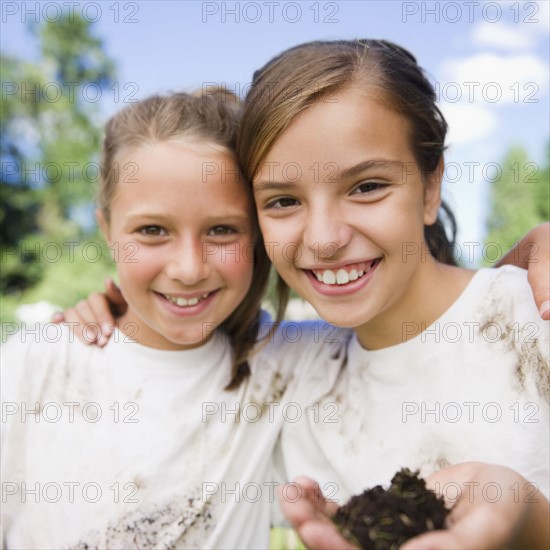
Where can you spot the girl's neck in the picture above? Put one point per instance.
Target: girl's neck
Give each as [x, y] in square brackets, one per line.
[132, 326]
[435, 288]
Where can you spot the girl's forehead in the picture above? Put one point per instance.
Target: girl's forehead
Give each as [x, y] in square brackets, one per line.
[187, 143]
[350, 116]
[338, 136]
[178, 169]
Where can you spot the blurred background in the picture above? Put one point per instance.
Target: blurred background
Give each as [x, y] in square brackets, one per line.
[67, 66]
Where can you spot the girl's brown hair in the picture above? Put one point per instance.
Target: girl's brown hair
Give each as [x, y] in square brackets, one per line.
[210, 119]
[318, 71]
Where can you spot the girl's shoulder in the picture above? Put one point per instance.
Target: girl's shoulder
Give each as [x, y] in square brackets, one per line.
[495, 297]
[39, 341]
[298, 339]
[295, 345]
[38, 353]
[505, 288]
[504, 313]
[504, 275]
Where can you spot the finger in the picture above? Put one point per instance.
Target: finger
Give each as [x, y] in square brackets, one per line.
[537, 276]
[76, 325]
[470, 532]
[100, 310]
[323, 535]
[58, 317]
[89, 328]
[539, 267]
[313, 493]
[435, 540]
[115, 297]
[541, 291]
[301, 502]
[296, 510]
[112, 288]
[308, 511]
[314, 528]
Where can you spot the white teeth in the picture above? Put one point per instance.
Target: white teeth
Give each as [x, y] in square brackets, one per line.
[342, 277]
[328, 277]
[183, 302]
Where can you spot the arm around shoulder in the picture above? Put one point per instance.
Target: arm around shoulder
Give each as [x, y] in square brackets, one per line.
[533, 253]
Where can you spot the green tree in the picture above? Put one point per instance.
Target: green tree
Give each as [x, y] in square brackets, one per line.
[49, 148]
[520, 199]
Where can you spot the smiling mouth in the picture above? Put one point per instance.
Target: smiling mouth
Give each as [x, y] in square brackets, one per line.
[344, 275]
[180, 301]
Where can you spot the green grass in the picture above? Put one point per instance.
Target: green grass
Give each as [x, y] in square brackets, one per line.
[284, 539]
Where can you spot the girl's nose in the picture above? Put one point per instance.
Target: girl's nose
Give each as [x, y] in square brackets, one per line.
[188, 263]
[326, 232]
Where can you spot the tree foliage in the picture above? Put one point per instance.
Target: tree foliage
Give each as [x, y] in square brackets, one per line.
[51, 127]
[50, 139]
[520, 199]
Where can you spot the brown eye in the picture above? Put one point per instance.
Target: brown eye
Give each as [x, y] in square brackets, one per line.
[221, 231]
[368, 187]
[284, 202]
[152, 231]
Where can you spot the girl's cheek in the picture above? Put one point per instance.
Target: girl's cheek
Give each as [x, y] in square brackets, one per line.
[278, 235]
[236, 260]
[132, 253]
[139, 260]
[268, 227]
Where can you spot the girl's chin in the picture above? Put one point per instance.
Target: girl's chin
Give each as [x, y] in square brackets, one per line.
[191, 342]
[181, 341]
[341, 319]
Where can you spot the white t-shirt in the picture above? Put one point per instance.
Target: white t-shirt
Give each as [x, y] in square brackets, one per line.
[133, 447]
[474, 386]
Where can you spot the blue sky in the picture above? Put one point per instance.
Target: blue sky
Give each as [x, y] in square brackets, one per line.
[487, 59]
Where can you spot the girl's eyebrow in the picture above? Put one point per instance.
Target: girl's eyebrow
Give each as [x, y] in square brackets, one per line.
[369, 165]
[350, 172]
[230, 215]
[268, 185]
[145, 215]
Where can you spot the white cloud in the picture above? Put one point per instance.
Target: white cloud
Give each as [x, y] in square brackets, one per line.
[532, 16]
[502, 36]
[467, 122]
[493, 79]
[544, 16]
[526, 18]
[526, 23]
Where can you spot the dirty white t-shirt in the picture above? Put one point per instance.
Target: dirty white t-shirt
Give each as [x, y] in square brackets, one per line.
[133, 447]
[474, 386]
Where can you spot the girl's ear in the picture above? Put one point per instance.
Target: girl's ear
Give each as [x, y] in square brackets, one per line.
[432, 194]
[103, 225]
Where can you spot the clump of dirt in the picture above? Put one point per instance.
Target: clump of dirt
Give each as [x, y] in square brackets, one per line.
[384, 519]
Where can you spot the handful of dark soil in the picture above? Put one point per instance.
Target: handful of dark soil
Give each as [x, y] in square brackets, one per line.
[380, 519]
